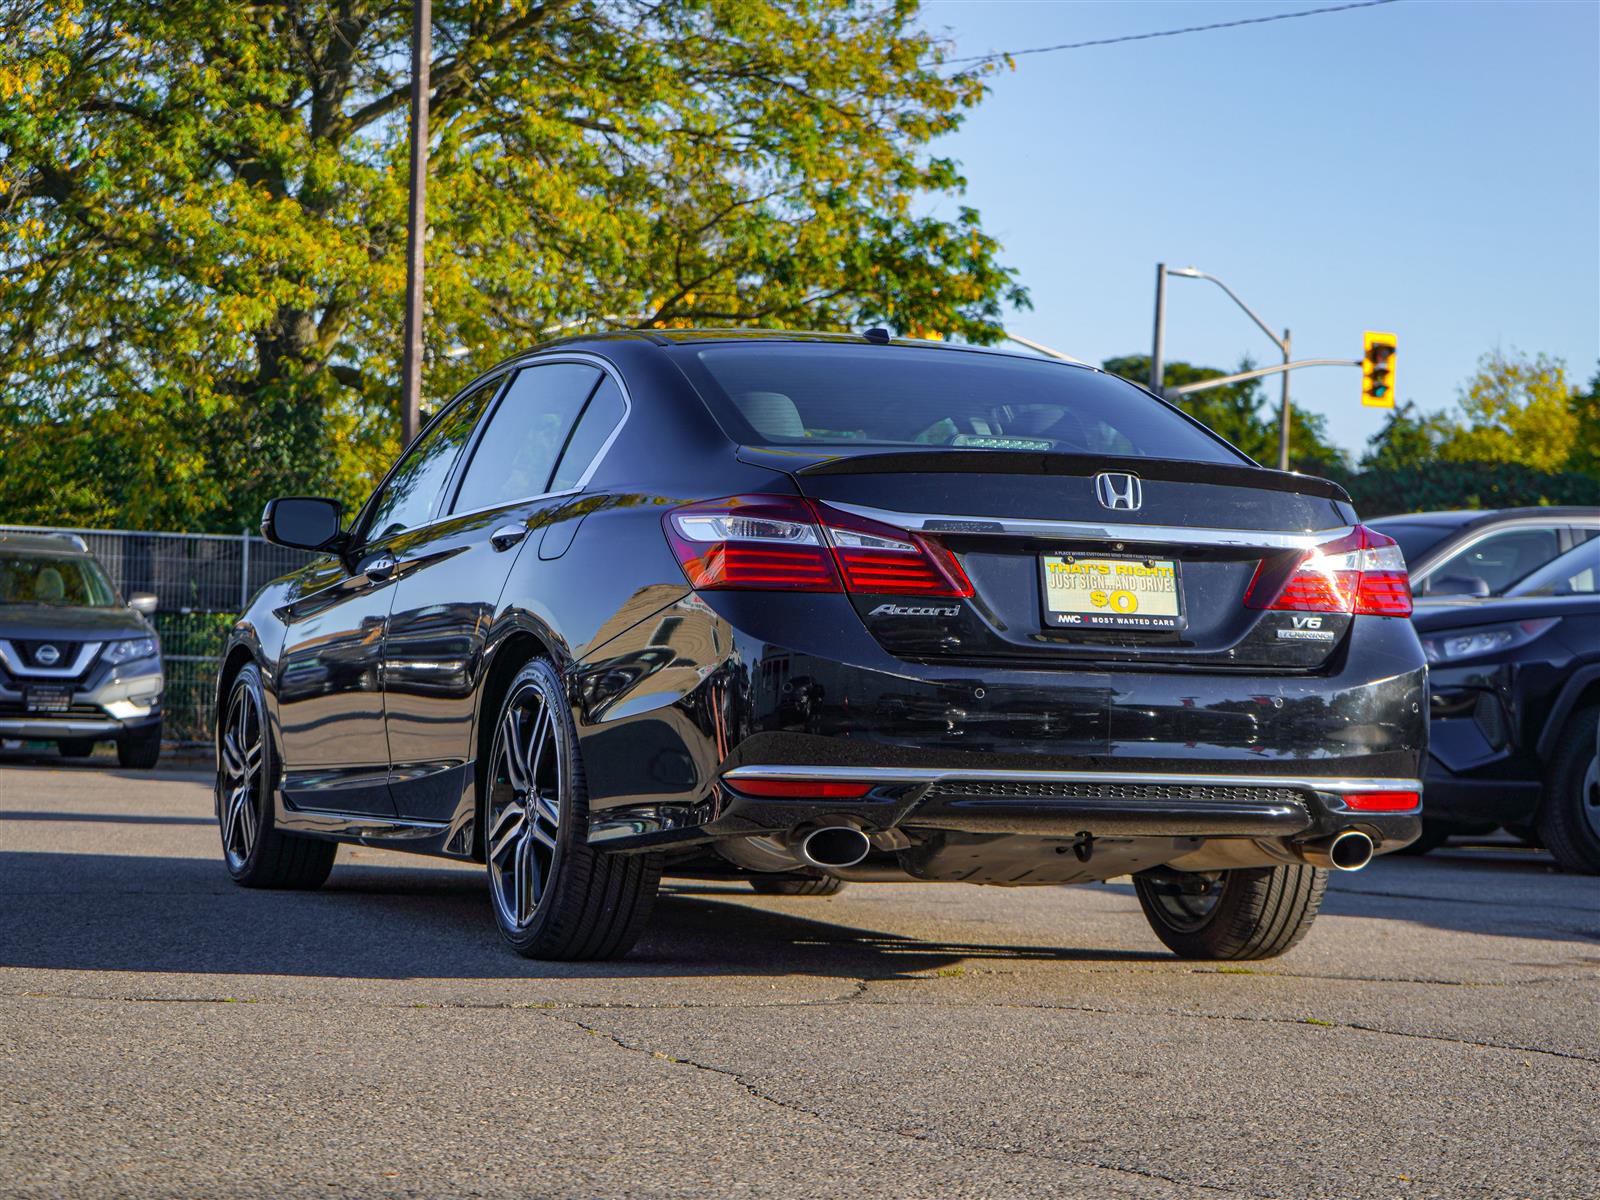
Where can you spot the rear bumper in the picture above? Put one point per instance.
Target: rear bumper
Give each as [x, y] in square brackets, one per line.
[678, 709]
[1104, 803]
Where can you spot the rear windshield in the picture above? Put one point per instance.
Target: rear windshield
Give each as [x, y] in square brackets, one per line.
[55, 579]
[833, 395]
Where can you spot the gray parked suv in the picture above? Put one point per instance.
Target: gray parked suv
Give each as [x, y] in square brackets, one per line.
[77, 663]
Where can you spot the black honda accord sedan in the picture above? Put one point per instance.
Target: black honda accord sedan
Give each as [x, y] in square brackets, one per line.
[805, 609]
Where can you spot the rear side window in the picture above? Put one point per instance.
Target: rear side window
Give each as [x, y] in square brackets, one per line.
[603, 414]
[789, 394]
[522, 441]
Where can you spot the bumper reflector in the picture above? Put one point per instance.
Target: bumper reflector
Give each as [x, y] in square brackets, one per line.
[802, 789]
[1383, 801]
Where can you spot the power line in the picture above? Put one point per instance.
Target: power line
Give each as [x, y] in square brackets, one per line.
[1140, 37]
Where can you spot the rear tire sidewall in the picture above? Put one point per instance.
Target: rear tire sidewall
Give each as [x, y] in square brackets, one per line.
[1261, 913]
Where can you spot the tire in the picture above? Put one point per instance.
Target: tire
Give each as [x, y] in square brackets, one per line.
[1434, 835]
[256, 853]
[1569, 817]
[140, 751]
[75, 747]
[826, 886]
[1259, 912]
[553, 896]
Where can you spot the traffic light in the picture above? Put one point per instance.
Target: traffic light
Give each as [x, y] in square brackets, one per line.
[1377, 369]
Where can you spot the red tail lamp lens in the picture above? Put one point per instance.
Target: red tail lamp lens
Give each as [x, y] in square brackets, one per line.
[802, 789]
[1383, 801]
[1362, 573]
[784, 543]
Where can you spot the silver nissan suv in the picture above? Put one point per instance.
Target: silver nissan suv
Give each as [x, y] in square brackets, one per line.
[78, 664]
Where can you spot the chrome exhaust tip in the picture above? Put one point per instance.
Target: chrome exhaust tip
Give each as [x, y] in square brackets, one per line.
[1347, 851]
[834, 846]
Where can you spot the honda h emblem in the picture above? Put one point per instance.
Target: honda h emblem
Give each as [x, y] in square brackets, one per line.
[1117, 490]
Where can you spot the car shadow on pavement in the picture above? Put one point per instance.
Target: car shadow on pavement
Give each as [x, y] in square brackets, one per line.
[108, 912]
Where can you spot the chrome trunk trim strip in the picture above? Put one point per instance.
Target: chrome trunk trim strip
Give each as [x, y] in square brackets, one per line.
[1174, 535]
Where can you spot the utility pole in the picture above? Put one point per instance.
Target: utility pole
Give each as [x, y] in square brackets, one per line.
[416, 219]
[1283, 418]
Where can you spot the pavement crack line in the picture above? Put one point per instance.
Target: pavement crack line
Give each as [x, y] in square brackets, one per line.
[854, 1126]
[1508, 1047]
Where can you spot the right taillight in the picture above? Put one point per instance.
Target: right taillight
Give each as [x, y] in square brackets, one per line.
[785, 543]
[1362, 573]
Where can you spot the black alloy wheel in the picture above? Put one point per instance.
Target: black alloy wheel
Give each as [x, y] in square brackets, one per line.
[554, 897]
[257, 854]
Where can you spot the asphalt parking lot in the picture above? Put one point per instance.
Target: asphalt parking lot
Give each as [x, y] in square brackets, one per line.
[165, 1033]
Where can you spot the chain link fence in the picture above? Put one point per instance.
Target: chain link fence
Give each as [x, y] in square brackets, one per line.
[202, 581]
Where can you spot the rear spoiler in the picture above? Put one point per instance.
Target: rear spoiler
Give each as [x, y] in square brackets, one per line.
[1024, 462]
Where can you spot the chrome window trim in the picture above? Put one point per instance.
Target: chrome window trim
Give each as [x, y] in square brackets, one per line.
[14, 664]
[1181, 535]
[583, 482]
[594, 463]
[916, 775]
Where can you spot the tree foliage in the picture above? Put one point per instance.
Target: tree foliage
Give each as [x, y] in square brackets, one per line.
[1518, 410]
[202, 216]
[1409, 438]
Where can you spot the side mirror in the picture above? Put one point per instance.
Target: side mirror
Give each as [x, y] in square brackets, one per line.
[303, 523]
[143, 602]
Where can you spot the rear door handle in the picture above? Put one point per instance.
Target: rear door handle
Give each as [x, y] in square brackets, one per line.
[380, 568]
[507, 536]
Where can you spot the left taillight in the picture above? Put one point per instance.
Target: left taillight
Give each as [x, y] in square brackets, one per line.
[785, 543]
[1363, 573]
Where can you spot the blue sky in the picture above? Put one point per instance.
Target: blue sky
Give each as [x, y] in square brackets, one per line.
[1423, 167]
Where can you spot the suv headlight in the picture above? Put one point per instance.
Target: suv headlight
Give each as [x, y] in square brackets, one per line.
[1485, 639]
[130, 649]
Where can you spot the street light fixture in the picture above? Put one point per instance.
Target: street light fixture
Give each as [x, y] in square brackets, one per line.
[1157, 367]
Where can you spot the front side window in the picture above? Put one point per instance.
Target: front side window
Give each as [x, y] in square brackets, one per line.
[1494, 562]
[517, 453]
[410, 494]
[847, 395]
[57, 580]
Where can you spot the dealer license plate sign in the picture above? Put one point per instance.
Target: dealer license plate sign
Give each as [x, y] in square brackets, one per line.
[47, 699]
[1111, 593]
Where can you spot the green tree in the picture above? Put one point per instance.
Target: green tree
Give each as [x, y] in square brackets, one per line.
[1585, 456]
[202, 216]
[1409, 438]
[1241, 413]
[1518, 410]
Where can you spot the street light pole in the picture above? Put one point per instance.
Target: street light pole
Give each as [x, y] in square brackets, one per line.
[1156, 365]
[1282, 343]
[416, 220]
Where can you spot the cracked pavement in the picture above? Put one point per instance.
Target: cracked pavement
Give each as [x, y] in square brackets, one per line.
[165, 1033]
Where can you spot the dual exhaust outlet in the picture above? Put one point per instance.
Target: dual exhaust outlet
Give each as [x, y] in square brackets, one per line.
[832, 846]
